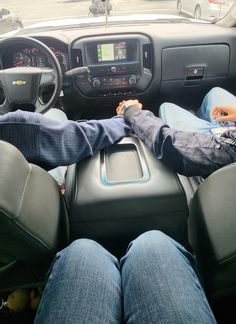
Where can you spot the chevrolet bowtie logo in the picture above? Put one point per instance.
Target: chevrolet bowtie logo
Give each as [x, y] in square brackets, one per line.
[19, 82]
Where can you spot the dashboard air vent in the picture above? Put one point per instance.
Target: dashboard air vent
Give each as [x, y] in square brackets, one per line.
[77, 57]
[147, 56]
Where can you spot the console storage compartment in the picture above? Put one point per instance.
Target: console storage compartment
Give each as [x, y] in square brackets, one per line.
[124, 191]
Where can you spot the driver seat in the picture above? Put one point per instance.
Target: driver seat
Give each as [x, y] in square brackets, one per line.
[33, 220]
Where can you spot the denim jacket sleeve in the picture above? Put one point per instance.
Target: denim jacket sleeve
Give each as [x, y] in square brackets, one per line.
[50, 143]
[190, 154]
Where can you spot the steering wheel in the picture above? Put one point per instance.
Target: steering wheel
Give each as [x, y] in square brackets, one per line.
[23, 85]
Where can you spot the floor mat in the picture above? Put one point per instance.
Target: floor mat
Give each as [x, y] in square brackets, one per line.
[9, 317]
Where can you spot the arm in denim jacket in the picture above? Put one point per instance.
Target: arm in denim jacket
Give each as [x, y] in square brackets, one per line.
[50, 143]
[190, 154]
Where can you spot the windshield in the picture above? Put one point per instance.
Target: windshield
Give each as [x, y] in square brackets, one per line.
[25, 13]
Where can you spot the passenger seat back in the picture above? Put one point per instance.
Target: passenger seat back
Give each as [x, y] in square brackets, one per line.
[33, 220]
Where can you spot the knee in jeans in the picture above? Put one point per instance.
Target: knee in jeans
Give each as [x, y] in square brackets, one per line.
[82, 246]
[162, 110]
[151, 240]
[153, 236]
[214, 91]
[167, 109]
[164, 106]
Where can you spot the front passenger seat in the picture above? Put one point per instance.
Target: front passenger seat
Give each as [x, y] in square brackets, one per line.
[33, 220]
[212, 232]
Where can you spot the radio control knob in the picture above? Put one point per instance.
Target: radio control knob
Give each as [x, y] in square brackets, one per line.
[96, 83]
[113, 69]
[132, 80]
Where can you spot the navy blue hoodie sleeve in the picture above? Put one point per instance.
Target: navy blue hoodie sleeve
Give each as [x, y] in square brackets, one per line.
[187, 153]
[52, 143]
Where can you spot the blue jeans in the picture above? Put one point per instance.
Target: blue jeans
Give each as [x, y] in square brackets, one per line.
[183, 120]
[155, 282]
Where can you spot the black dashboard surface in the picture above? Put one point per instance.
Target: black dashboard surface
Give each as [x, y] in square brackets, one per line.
[185, 61]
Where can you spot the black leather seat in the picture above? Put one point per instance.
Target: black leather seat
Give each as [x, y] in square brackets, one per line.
[33, 220]
[212, 232]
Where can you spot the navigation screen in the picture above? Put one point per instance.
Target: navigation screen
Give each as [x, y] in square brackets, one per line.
[111, 52]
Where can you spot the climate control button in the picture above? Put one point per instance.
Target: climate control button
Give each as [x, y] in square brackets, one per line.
[96, 83]
[132, 79]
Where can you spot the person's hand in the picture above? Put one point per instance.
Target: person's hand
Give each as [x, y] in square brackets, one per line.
[224, 113]
[125, 103]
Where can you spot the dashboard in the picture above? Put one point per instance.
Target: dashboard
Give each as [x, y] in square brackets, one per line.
[175, 62]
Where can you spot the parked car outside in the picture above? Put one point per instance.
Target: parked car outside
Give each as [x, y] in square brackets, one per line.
[9, 21]
[204, 9]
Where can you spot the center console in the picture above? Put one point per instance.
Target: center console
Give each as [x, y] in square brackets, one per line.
[118, 64]
[124, 191]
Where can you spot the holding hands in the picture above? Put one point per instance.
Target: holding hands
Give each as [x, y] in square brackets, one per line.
[221, 113]
[126, 103]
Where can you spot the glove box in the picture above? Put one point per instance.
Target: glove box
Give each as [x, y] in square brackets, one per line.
[123, 191]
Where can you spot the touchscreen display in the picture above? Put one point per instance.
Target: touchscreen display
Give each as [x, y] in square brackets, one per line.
[111, 51]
